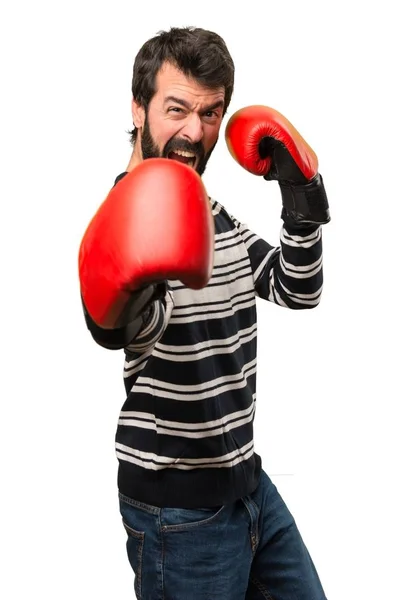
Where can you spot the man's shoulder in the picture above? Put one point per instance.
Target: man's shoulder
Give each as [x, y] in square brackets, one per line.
[219, 210]
[217, 207]
[120, 176]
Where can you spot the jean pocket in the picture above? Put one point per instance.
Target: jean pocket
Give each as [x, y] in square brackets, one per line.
[180, 519]
[134, 546]
[134, 522]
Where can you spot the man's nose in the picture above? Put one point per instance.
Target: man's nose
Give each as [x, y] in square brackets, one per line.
[193, 130]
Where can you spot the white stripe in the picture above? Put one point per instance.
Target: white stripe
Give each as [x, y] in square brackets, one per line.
[305, 297]
[227, 238]
[211, 383]
[249, 237]
[217, 315]
[204, 349]
[298, 241]
[232, 270]
[137, 364]
[300, 268]
[263, 264]
[192, 311]
[234, 265]
[274, 295]
[299, 238]
[187, 430]
[301, 272]
[215, 207]
[223, 384]
[138, 457]
[305, 302]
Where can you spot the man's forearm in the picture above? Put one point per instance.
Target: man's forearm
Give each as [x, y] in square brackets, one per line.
[297, 277]
[141, 319]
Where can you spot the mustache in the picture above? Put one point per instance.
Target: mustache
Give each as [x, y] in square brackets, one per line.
[177, 144]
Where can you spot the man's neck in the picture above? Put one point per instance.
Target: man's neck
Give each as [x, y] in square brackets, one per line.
[136, 156]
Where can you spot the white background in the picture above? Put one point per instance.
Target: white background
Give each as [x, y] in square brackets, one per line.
[326, 424]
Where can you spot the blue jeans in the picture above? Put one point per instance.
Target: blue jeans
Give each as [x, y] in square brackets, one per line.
[248, 550]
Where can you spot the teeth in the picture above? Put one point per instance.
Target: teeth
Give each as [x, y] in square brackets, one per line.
[184, 153]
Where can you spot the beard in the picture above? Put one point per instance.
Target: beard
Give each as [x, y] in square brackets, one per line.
[151, 150]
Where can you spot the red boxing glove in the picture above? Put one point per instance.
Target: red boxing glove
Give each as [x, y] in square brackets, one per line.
[265, 143]
[155, 224]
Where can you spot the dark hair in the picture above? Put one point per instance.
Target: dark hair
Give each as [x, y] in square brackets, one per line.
[196, 52]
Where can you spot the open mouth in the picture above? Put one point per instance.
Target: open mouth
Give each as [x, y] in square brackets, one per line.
[188, 158]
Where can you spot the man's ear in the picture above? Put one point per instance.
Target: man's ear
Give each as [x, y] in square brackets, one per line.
[138, 114]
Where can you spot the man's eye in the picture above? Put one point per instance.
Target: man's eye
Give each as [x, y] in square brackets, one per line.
[175, 109]
[211, 114]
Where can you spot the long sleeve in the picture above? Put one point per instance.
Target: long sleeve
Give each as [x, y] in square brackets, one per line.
[290, 274]
[153, 328]
[138, 335]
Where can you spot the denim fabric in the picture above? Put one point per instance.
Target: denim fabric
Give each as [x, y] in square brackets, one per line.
[248, 550]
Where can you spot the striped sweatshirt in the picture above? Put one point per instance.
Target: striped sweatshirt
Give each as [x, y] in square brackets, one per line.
[185, 431]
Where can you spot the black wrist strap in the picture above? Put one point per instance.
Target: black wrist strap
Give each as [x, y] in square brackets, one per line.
[135, 316]
[305, 204]
[114, 339]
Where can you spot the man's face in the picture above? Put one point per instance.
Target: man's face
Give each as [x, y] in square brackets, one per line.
[182, 121]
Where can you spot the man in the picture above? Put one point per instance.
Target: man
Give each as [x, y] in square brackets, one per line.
[171, 277]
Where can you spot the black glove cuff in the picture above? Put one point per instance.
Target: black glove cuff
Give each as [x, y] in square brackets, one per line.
[305, 204]
[135, 316]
